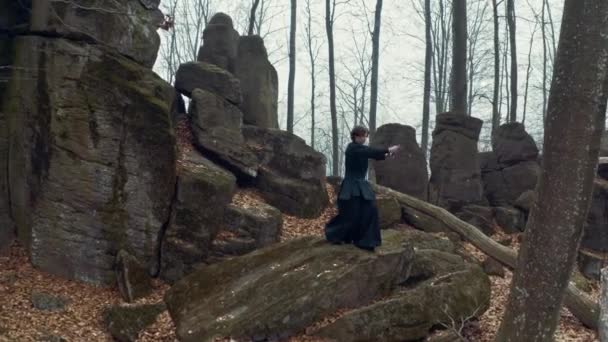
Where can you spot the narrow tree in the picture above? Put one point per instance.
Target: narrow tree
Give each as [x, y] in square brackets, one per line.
[375, 61]
[292, 66]
[513, 44]
[576, 116]
[313, 53]
[254, 8]
[603, 323]
[428, 60]
[330, 8]
[458, 89]
[495, 99]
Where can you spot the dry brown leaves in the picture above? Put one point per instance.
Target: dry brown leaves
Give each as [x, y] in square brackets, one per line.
[19, 321]
[81, 321]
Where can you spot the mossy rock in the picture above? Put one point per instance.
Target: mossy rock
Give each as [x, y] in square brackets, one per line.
[455, 291]
[389, 211]
[126, 322]
[279, 290]
[94, 169]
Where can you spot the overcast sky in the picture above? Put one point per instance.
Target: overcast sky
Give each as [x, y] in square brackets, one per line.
[401, 57]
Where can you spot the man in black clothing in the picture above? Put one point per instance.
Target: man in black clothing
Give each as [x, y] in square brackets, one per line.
[357, 219]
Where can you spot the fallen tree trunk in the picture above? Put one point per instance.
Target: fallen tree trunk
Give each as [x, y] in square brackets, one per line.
[430, 218]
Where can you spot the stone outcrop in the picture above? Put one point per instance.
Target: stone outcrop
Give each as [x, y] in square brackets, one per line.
[245, 229]
[292, 174]
[307, 279]
[209, 77]
[407, 172]
[216, 125]
[93, 169]
[455, 172]
[451, 289]
[259, 82]
[604, 145]
[203, 192]
[125, 323]
[127, 27]
[134, 282]
[512, 168]
[220, 43]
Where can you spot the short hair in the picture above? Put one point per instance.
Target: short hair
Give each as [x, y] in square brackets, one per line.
[358, 131]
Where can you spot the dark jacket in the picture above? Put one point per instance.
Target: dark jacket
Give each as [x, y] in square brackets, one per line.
[354, 183]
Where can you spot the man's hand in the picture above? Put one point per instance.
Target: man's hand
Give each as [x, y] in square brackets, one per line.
[394, 149]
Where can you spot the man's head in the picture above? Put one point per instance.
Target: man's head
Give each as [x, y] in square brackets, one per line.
[359, 134]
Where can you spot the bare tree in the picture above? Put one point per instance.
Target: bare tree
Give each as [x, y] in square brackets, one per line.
[513, 45]
[292, 66]
[330, 11]
[458, 103]
[428, 61]
[528, 72]
[495, 98]
[576, 118]
[441, 63]
[313, 49]
[375, 61]
[254, 8]
[603, 322]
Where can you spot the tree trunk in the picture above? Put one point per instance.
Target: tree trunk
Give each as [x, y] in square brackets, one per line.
[329, 18]
[544, 32]
[576, 114]
[254, 8]
[513, 43]
[603, 322]
[458, 89]
[428, 60]
[313, 75]
[495, 112]
[375, 61]
[292, 66]
[528, 72]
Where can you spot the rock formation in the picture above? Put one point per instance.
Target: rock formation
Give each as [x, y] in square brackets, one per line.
[407, 172]
[91, 166]
[259, 81]
[220, 43]
[203, 192]
[512, 167]
[455, 172]
[307, 279]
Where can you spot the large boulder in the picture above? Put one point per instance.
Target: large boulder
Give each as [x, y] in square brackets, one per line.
[125, 323]
[602, 168]
[604, 145]
[595, 235]
[278, 291]
[203, 192]
[451, 291]
[504, 183]
[259, 82]
[206, 76]
[512, 168]
[407, 172]
[292, 174]
[93, 164]
[125, 26]
[455, 171]
[134, 282]
[247, 228]
[220, 43]
[216, 126]
[512, 144]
